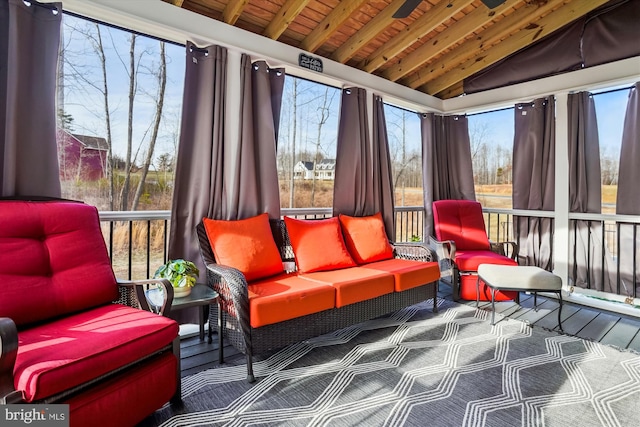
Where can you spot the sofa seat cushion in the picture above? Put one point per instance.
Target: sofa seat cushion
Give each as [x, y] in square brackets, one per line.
[354, 284]
[61, 354]
[470, 260]
[286, 297]
[408, 274]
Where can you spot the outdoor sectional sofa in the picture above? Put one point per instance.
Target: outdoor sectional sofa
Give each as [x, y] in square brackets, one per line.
[339, 272]
[70, 333]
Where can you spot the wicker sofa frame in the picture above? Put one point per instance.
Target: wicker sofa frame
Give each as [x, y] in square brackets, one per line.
[233, 321]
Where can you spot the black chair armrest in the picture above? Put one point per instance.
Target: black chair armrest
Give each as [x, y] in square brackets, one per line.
[413, 251]
[132, 293]
[509, 249]
[8, 353]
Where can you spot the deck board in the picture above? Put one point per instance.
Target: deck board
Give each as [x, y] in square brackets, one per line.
[585, 322]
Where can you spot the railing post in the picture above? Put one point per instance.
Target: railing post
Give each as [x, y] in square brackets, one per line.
[561, 223]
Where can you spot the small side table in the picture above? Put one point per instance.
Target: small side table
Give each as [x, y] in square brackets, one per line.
[201, 296]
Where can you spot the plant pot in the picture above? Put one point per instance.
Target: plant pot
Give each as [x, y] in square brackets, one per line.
[181, 292]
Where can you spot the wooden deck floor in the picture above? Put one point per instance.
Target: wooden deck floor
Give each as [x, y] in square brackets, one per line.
[606, 327]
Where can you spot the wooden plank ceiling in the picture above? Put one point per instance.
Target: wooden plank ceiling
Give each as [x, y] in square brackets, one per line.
[432, 50]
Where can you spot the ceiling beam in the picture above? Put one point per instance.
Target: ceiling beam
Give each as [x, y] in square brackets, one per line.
[330, 24]
[177, 2]
[413, 32]
[487, 38]
[455, 33]
[233, 10]
[367, 33]
[285, 16]
[545, 26]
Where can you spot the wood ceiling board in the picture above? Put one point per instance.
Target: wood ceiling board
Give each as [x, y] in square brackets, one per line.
[330, 24]
[233, 10]
[284, 17]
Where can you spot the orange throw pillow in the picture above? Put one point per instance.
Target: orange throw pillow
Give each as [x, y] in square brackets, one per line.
[318, 244]
[245, 244]
[366, 238]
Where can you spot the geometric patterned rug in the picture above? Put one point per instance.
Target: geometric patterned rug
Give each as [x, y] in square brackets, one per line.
[417, 368]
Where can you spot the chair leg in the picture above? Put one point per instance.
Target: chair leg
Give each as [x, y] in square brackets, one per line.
[435, 296]
[493, 306]
[220, 334]
[455, 284]
[560, 311]
[478, 292]
[177, 396]
[250, 377]
[535, 301]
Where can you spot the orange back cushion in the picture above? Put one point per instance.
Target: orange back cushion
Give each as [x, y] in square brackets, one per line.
[318, 244]
[245, 244]
[366, 238]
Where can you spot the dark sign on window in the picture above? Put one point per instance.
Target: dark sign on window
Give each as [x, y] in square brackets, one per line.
[306, 61]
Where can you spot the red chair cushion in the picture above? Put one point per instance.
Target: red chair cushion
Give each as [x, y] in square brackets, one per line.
[53, 260]
[470, 260]
[245, 244]
[366, 238]
[462, 222]
[126, 400]
[70, 351]
[286, 297]
[468, 290]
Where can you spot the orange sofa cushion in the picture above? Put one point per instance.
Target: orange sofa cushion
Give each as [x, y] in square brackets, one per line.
[286, 297]
[318, 245]
[366, 238]
[354, 284]
[245, 244]
[408, 274]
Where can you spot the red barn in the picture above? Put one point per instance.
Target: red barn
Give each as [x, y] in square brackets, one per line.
[81, 156]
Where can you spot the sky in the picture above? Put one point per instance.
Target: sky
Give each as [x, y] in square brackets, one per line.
[86, 104]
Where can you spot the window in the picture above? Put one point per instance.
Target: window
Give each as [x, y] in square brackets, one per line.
[491, 136]
[119, 103]
[405, 153]
[307, 143]
[610, 111]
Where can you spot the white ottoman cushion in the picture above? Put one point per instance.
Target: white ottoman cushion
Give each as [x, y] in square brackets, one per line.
[519, 277]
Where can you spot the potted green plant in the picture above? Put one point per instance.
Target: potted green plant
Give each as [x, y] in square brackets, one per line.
[181, 273]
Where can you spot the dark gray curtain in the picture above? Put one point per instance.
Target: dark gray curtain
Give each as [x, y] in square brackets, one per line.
[382, 177]
[251, 177]
[447, 167]
[29, 44]
[534, 180]
[363, 181]
[199, 167]
[628, 198]
[589, 266]
[353, 186]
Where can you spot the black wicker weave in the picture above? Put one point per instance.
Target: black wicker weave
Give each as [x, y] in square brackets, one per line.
[234, 300]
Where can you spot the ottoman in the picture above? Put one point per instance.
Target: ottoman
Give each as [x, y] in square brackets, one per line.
[521, 279]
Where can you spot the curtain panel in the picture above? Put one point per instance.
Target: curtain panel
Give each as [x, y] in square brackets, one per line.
[199, 165]
[628, 198]
[534, 180]
[353, 185]
[590, 266]
[447, 167]
[251, 173]
[29, 45]
[363, 181]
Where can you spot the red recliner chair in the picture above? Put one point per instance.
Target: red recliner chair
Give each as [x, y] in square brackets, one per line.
[462, 244]
[71, 333]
